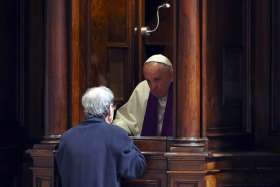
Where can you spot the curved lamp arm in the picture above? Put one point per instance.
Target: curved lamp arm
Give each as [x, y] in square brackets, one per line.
[146, 30]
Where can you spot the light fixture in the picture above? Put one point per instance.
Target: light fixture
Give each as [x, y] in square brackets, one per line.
[146, 30]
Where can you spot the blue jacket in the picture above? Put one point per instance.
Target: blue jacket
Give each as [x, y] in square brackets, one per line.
[96, 154]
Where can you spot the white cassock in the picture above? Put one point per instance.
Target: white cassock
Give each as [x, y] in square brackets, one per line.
[131, 115]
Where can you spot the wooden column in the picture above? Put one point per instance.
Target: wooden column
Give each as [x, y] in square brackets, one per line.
[187, 153]
[56, 68]
[189, 69]
[55, 114]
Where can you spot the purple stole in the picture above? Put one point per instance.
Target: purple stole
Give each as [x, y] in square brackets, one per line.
[151, 117]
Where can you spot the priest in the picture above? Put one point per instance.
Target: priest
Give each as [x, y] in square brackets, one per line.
[148, 112]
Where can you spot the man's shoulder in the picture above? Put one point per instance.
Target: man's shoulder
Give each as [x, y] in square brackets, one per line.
[84, 126]
[69, 131]
[118, 130]
[119, 137]
[68, 135]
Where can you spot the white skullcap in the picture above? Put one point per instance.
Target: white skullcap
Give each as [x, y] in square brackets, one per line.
[159, 58]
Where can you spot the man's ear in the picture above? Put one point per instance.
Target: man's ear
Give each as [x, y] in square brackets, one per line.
[111, 114]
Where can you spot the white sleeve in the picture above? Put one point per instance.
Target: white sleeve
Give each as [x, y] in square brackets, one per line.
[130, 116]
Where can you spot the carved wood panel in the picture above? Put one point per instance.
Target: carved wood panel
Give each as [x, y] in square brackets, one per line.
[102, 49]
[243, 169]
[186, 179]
[227, 72]
[227, 68]
[266, 74]
[143, 183]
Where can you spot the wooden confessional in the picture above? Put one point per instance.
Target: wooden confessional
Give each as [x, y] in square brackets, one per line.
[226, 60]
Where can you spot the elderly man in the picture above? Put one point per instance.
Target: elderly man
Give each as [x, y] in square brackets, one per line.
[148, 111]
[95, 153]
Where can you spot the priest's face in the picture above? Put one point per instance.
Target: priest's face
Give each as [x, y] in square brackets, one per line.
[159, 77]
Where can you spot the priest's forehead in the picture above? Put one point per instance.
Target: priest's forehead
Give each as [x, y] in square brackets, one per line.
[155, 67]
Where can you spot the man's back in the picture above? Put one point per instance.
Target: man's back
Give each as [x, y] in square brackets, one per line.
[97, 154]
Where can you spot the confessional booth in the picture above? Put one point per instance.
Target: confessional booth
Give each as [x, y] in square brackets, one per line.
[226, 73]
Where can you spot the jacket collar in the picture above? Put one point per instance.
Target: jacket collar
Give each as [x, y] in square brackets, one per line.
[93, 120]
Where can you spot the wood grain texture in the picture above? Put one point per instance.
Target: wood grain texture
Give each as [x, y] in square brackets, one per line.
[75, 63]
[56, 68]
[189, 69]
[266, 86]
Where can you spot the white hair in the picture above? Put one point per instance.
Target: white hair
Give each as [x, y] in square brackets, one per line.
[96, 101]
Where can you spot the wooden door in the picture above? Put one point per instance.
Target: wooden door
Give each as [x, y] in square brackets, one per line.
[102, 49]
